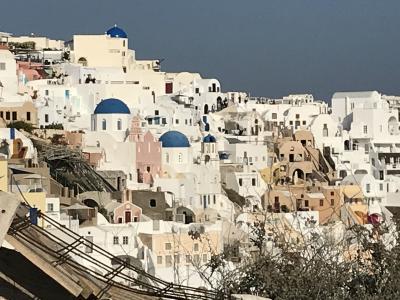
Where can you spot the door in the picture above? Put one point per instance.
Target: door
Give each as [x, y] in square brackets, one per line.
[168, 87]
[128, 216]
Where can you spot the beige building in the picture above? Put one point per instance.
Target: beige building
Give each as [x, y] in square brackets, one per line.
[325, 199]
[18, 111]
[180, 249]
[101, 51]
[40, 42]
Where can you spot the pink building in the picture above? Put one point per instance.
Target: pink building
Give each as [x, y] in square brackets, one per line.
[148, 153]
[31, 70]
[127, 212]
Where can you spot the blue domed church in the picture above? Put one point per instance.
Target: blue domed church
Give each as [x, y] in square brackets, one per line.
[176, 151]
[112, 116]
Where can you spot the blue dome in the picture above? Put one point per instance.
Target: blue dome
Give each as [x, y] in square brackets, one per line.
[209, 139]
[112, 106]
[174, 139]
[116, 32]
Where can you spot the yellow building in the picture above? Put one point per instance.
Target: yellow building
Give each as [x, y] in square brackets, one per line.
[4, 175]
[37, 200]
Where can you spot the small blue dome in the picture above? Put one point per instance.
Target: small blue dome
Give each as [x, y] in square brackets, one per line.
[174, 139]
[209, 139]
[112, 106]
[116, 32]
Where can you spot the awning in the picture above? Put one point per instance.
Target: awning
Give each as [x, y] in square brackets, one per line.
[19, 171]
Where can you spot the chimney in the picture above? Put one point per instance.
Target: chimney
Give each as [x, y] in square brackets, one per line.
[65, 191]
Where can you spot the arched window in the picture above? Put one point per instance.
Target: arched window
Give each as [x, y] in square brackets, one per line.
[325, 130]
[167, 157]
[83, 61]
[153, 203]
[104, 124]
[119, 124]
[180, 157]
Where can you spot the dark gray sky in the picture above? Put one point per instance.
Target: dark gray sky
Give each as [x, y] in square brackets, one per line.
[265, 47]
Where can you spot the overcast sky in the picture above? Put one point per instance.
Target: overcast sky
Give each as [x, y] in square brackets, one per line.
[265, 47]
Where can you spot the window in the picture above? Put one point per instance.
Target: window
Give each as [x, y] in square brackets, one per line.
[153, 203]
[306, 203]
[176, 121]
[46, 92]
[214, 199]
[197, 90]
[50, 207]
[196, 259]
[123, 53]
[7, 115]
[188, 259]
[368, 188]
[365, 129]
[168, 260]
[167, 157]
[14, 115]
[381, 186]
[125, 240]
[123, 43]
[196, 247]
[119, 124]
[321, 202]
[1, 114]
[274, 116]
[28, 116]
[115, 240]
[104, 124]
[156, 112]
[205, 258]
[163, 121]
[180, 157]
[176, 258]
[46, 118]
[253, 182]
[2, 66]
[332, 202]
[240, 181]
[290, 122]
[168, 246]
[325, 130]
[66, 94]
[159, 260]
[304, 122]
